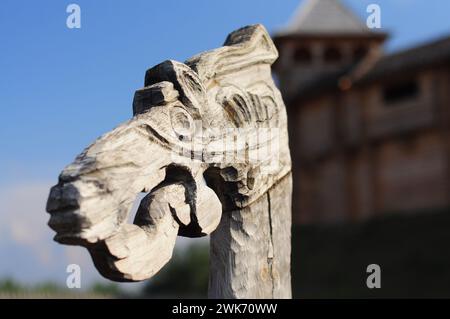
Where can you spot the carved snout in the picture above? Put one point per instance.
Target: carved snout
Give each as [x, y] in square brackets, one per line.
[93, 198]
[133, 252]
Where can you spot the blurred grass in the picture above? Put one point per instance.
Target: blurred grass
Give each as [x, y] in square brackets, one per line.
[10, 288]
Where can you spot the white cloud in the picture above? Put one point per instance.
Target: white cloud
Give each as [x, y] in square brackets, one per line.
[27, 250]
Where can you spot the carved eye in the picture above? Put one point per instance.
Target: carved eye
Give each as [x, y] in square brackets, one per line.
[182, 123]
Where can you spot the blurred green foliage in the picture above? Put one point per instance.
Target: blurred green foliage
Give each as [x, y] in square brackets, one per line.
[11, 287]
[185, 276]
[108, 289]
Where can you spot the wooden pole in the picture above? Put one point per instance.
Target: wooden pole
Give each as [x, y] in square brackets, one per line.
[251, 248]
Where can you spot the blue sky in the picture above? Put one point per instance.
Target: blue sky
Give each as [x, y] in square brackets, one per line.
[60, 88]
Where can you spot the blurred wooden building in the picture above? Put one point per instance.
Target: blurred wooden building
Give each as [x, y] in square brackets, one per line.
[369, 131]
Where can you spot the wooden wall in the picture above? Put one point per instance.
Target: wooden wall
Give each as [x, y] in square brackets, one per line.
[356, 157]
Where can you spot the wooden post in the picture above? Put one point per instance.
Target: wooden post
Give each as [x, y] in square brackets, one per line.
[251, 248]
[208, 142]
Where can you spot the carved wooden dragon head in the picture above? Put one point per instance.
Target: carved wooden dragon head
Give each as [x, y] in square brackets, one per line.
[208, 135]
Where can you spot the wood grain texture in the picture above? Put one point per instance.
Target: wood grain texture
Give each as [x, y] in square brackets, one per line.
[208, 143]
[251, 249]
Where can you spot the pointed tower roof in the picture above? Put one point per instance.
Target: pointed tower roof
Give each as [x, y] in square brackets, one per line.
[317, 17]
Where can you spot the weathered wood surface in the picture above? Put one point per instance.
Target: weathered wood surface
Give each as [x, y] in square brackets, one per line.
[251, 248]
[208, 143]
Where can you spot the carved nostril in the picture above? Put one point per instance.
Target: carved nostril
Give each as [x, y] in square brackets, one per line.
[62, 197]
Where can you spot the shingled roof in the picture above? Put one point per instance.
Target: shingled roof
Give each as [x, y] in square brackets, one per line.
[324, 17]
[432, 54]
[427, 55]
